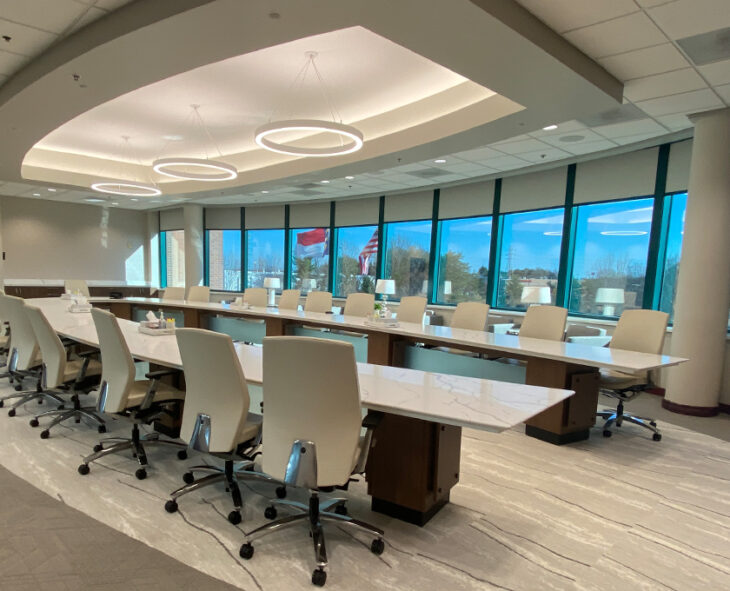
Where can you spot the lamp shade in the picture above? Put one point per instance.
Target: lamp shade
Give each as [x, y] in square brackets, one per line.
[447, 287]
[609, 295]
[536, 294]
[272, 283]
[385, 286]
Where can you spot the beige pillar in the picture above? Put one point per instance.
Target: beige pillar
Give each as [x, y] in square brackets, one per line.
[152, 250]
[193, 219]
[703, 285]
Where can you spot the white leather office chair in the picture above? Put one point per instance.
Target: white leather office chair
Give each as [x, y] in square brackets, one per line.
[359, 304]
[636, 330]
[140, 401]
[312, 425]
[544, 322]
[470, 316]
[61, 375]
[289, 299]
[174, 293]
[257, 297]
[411, 309]
[76, 286]
[318, 301]
[198, 293]
[216, 418]
[24, 360]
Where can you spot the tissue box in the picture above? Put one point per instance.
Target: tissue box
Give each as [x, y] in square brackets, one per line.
[80, 308]
[152, 328]
[67, 296]
[377, 321]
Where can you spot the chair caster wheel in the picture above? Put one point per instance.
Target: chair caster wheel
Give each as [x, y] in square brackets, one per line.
[59, 407]
[188, 478]
[141, 474]
[657, 437]
[246, 551]
[270, 512]
[97, 448]
[2, 403]
[182, 455]
[234, 517]
[83, 469]
[101, 428]
[607, 433]
[280, 492]
[33, 422]
[319, 577]
[11, 412]
[377, 546]
[18, 388]
[45, 434]
[341, 510]
[652, 423]
[171, 506]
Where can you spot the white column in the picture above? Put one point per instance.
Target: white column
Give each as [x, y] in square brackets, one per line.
[703, 285]
[152, 250]
[193, 219]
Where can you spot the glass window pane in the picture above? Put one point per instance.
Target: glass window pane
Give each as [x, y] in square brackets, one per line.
[264, 256]
[310, 259]
[175, 258]
[611, 246]
[464, 260]
[678, 204]
[407, 249]
[224, 259]
[528, 267]
[357, 254]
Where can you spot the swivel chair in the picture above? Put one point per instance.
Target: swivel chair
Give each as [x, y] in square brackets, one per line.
[411, 309]
[289, 299]
[139, 401]
[174, 293]
[544, 322]
[198, 293]
[636, 330]
[470, 316]
[318, 301]
[359, 304]
[312, 430]
[77, 286]
[257, 297]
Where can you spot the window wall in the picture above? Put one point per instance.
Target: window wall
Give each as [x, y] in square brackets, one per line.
[611, 248]
[264, 256]
[463, 259]
[678, 206]
[407, 249]
[173, 258]
[357, 254]
[310, 259]
[530, 258]
[224, 259]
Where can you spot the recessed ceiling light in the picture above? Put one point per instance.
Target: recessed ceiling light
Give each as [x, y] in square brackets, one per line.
[94, 200]
[134, 199]
[572, 138]
[264, 192]
[550, 127]
[52, 190]
[349, 178]
[36, 194]
[440, 161]
[324, 182]
[115, 202]
[172, 138]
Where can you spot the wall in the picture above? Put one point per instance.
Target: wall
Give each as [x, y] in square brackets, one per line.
[53, 240]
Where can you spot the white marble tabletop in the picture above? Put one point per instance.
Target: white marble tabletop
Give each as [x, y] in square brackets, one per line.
[511, 345]
[483, 404]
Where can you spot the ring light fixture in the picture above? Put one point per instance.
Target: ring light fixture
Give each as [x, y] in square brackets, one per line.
[127, 189]
[340, 129]
[206, 170]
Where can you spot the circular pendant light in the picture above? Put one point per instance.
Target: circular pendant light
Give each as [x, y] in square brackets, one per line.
[343, 131]
[127, 189]
[205, 170]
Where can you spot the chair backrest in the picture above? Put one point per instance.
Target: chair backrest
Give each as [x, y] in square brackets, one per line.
[117, 365]
[470, 315]
[411, 309]
[289, 299]
[359, 304]
[318, 301]
[198, 293]
[581, 330]
[544, 322]
[256, 296]
[76, 285]
[640, 330]
[316, 399]
[52, 349]
[174, 293]
[23, 342]
[215, 388]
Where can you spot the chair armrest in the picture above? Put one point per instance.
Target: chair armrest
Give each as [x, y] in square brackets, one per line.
[85, 354]
[156, 375]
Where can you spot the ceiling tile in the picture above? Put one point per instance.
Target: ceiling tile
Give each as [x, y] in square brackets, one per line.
[630, 128]
[675, 122]
[619, 35]
[650, 3]
[50, 15]
[645, 62]
[517, 138]
[110, 4]
[545, 155]
[505, 163]
[90, 16]
[565, 15]
[14, 189]
[724, 92]
[563, 128]
[665, 84]
[684, 18]
[564, 140]
[632, 139]
[469, 168]
[527, 145]
[717, 73]
[479, 155]
[10, 62]
[24, 40]
[588, 147]
[689, 102]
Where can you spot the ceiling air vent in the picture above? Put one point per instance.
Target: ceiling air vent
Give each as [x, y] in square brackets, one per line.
[707, 48]
[621, 114]
[429, 173]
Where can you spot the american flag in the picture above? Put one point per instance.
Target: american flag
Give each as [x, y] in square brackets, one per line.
[369, 249]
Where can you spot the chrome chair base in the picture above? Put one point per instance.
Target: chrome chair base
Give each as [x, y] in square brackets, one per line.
[25, 396]
[618, 416]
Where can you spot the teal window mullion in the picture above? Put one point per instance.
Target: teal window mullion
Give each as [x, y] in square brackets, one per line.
[244, 258]
[567, 246]
[658, 237]
[433, 258]
[332, 251]
[495, 246]
[287, 249]
[380, 268]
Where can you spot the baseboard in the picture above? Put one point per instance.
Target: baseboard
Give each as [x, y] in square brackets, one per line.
[695, 411]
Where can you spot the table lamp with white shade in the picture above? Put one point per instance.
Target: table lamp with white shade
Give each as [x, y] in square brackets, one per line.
[609, 297]
[385, 287]
[272, 284]
[536, 294]
[447, 287]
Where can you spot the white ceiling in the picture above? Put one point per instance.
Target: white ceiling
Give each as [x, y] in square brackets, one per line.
[635, 40]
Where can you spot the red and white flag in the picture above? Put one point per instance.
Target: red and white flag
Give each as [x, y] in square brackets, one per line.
[312, 244]
[370, 249]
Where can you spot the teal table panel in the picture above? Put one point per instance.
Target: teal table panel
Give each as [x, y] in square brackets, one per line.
[359, 342]
[463, 365]
[239, 329]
